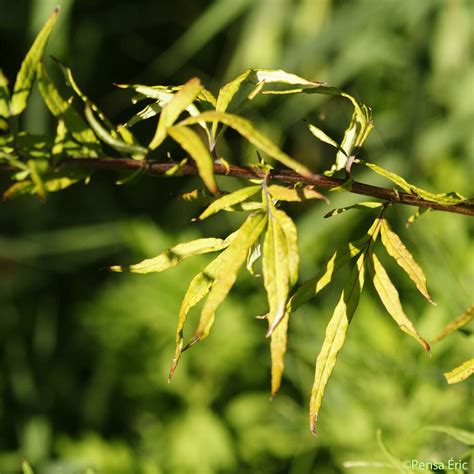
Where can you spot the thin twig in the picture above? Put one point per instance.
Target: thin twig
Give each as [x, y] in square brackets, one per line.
[249, 172]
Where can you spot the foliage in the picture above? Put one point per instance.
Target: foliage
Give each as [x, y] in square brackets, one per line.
[267, 233]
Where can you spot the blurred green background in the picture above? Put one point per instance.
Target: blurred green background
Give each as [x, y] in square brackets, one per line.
[84, 354]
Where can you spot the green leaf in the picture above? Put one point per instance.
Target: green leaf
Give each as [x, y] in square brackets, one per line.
[192, 144]
[172, 256]
[282, 193]
[197, 290]
[172, 110]
[28, 68]
[37, 180]
[459, 322]
[291, 237]
[26, 468]
[229, 200]
[389, 296]
[335, 337]
[419, 212]
[320, 135]
[464, 436]
[248, 131]
[360, 205]
[4, 96]
[397, 250]
[64, 111]
[108, 138]
[461, 372]
[234, 257]
[252, 256]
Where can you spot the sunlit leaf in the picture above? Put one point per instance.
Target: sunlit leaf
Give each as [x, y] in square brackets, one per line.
[248, 131]
[360, 205]
[197, 290]
[4, 96]
[404, 258]
[389, 296]
[234, 257]
[40, 188]
[322, 136]
[291, 237]
[64, 111]
[461, 372]
[459, 322]
[172, 256]
[108, 138]
[26, 468]
[173, 109]
[419, 212]
[190, 142]
[252, 256]
[335, 337]
[282, 193]
[463, 436]
[28, 68]
[229, 200]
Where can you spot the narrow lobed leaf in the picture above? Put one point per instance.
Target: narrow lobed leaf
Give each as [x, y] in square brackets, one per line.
[234, 257]
[173, 109]
[248, 131]
[461, 372]
[360, 205]
[173, 256]
[397, 250]
[322, 136]
[189, 140]
[459, 322]
[463, 436]
[389, 296]
[230, 200]
[335, 337]
[282, 193]
[28, 68]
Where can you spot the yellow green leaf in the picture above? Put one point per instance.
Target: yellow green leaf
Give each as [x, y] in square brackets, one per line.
[26, 468]
[248, 131]
[64, 111]
[389, 296]
[197, 290]
[463, 436]
[172, 110]
[459, 322]
[234, 257]
[322, 136]
[291, 237]
[172, 256]
[335, 337]
[4, 96]
[191, 143]
[282, 193]
[108, 137]
[461, 372]
[28, 68]
[37, 180]
[229, 200]
[397, 250]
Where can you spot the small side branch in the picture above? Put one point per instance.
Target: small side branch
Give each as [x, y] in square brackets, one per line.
[249, 172]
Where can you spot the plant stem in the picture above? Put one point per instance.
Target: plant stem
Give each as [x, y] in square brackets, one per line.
[249, 172]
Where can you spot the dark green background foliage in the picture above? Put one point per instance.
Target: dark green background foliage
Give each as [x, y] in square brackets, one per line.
[84, 354]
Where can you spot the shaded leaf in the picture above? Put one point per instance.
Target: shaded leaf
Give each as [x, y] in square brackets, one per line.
[172, 256]
[389, 296]
[64, 111]
[108, 138]
[461, 372]
[396, 463]
[173, 109]
[230, 200]
[26, 468]
[28, 68]
[248, 131]
[253, 255]
[397, 250]
[360, 205]
[191, 143]
[464, 436]
[37, 180]
[234, 257]
[334, 338]
[459, 322]
[282, 193]
[419, 212]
